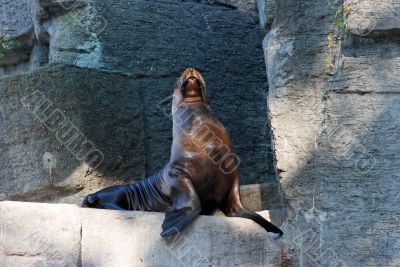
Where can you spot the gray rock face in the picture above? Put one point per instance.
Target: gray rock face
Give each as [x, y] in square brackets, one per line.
[59, 123]
[64, 235]
[20, 24]
[260, 197]
[335, 131]
[155, 42]
[375, 19]
[267, 11]
[158, 40]
[56, 121]
[16, 24]
[52, 8]
[15, 19]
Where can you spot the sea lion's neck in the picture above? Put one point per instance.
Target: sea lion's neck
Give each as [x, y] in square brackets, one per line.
[186, 116]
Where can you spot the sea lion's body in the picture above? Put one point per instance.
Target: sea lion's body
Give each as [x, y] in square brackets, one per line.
[201, 176]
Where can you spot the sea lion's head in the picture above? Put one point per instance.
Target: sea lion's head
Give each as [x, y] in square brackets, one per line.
[190, 87]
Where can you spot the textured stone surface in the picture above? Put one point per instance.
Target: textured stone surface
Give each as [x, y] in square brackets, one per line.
[267, 12]
[111, 238]
[16, 24]
[20, 21]
[15, 19]
[105, 109]
[39, 234]
[156, 41]
[260, 196]
[335, 133]
[53, 8]
[374, 18]
[64, 235]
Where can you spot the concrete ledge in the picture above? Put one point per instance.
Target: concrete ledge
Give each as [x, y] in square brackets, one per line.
[64, 235]
[39, 234]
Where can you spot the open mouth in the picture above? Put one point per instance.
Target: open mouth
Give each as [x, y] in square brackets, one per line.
[193, 99]
[191, 90]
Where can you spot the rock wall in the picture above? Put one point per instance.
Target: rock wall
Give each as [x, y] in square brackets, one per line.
[64, 134]
[150, 43]
[21, 47]
[333, 69]
[158, 40]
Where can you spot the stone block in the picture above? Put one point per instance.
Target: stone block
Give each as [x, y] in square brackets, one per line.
[63, 235]
[39, 234]
[111, 238]
[374, 18]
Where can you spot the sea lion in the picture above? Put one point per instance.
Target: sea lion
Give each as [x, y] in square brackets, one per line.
[201, 176]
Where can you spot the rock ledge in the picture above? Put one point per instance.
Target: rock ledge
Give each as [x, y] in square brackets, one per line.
[65, 235]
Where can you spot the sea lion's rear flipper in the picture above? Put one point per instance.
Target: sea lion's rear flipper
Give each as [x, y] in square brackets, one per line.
[233, 208]
[185, 208]
[244, 213]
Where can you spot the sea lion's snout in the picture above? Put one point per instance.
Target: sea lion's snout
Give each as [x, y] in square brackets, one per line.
[192, 79]
[192, 86]
[191, 75]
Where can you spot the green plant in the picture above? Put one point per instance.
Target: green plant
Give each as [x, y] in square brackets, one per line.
[339, 33]
[8, 44]
[342, 13]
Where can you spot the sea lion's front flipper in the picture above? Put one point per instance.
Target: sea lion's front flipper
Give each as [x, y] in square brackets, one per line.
[185, 208]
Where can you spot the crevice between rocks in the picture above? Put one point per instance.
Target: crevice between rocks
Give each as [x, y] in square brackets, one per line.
[47, 194]
[357, 92]
[80, 263]
[221, 4]
[215, 3]
[381, 35]
[173, 74]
